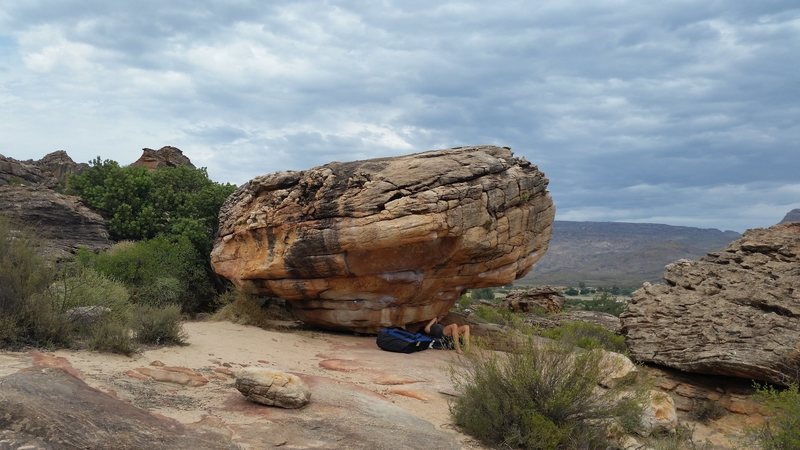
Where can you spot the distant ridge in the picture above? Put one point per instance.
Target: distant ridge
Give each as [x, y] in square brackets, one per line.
[791, 216]
[620, 253]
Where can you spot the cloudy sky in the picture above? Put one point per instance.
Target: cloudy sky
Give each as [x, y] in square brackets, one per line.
[678, 112]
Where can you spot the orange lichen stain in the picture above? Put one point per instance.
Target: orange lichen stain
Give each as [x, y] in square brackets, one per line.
[340, 365]
[176, 375]
[409, 393]
[50, 361]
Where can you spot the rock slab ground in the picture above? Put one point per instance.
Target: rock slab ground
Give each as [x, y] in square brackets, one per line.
[390, 241]
[735, 312]
[360, 397]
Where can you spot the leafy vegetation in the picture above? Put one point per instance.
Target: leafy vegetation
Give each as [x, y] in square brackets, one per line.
[482, 294]
[539, 396]
[142, 204]
[782, 429]
[38, 304]
[586, 335]
[158, 271]
[159, 325]
[174, 212]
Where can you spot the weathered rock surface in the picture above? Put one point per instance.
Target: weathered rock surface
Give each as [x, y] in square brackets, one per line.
[50, 171]
[546, 298]
[791, 216]
[387, 241]
[164, 157]
[87, 316]
[735, 312]
[608, 321]
[62, 222]
[49, 408]
[659, 415]
[272, 387]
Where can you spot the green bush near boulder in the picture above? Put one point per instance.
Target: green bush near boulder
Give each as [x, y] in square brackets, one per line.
[159, 325]
[782, 429]
[538, 397]
[586, 335]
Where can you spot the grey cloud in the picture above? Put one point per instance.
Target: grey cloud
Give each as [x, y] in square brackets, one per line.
[692, 97]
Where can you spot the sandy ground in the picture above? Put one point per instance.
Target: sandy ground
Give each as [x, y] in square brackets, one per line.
[202, 392]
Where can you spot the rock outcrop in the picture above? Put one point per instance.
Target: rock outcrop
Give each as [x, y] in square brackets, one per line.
[388, 241]
[50, 408]
[735, 312]
[62, 222]
[545, 298]
[51, 171]
[791, 216]
[164, 157]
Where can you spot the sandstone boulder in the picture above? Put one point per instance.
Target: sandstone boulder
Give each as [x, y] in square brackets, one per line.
[272, 387]
[62, 222]
[735, 312]
[164, 157]
[545, 298]
[388, 241]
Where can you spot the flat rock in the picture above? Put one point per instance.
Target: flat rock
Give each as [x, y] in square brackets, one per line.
[389, 241]
[735, 312]
[50, 408]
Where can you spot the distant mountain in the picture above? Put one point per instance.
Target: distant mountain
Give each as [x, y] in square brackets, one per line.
[620, 253]
[791, 216]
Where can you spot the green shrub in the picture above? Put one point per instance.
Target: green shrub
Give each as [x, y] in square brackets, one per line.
[26, 315]
[482, 294]
[86, 287]
[586, 335]
[571, 291]
[159, 325]
[157, 271]
[248, 309]
[496, 315]
[782, 428]
[539, 396]
[111, 336]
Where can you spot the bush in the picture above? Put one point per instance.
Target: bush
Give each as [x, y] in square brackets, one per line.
[539, 396]
[247, 309]
[26, 315]
[571, 291]
[496, 315]
[782, 429]
[157, 271]
[79, 286]
[482, 294]
[586, 335]
[111, 336]
[159, 325]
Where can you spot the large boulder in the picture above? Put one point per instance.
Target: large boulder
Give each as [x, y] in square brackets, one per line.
[164, 157]
[388, 241]
[734, 312]
[62, 222]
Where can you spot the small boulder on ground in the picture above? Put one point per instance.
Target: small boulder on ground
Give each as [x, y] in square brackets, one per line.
[272, 387]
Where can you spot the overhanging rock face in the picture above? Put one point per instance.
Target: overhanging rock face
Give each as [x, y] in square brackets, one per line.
[388, 241]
